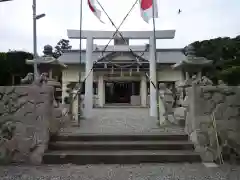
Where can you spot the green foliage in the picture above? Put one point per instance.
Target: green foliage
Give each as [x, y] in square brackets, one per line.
[231, 75]
[225, 53]
[62, 45]
[13, 63]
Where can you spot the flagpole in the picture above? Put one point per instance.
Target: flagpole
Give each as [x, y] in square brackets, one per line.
[155, 58]
[80, 62]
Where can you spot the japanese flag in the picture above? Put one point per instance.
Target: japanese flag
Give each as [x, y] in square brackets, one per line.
[146, 7]
[94, 9]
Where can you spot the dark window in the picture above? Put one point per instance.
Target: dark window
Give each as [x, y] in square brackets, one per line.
[136, 88]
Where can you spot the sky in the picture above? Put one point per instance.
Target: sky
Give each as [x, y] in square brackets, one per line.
[199, 20]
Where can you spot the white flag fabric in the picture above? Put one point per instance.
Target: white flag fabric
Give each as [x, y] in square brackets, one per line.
[146, 7]
[94, 9]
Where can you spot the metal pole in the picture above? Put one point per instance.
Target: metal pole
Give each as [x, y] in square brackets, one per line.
[155, 57]
[80, 62]
[35, 40]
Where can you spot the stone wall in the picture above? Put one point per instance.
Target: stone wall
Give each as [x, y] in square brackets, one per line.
[27, 118]
[208, 107]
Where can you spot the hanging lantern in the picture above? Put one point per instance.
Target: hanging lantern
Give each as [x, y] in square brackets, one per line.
[130, 72]
[105, 66]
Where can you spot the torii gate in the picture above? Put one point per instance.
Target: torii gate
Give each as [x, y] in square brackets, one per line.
[91, 35]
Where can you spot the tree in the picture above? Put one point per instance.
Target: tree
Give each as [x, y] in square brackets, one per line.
[13, 64]
[62, 45]
[225, 53]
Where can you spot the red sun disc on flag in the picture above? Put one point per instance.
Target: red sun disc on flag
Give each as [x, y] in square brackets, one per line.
[146, 4]
[90, 6]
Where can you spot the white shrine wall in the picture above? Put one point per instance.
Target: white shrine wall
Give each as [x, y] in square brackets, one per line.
[71, 75]
[170, 75]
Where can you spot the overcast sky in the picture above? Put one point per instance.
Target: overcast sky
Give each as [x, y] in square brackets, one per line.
[199, 20]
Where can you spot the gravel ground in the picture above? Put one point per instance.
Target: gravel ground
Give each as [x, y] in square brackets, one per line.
[120, 120]
[121, 172]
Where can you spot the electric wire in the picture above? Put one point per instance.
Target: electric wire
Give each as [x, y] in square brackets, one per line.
[117, 29]
[137, 58]
[79, 90]
[104, 50]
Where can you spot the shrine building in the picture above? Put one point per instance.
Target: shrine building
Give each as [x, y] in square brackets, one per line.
[120, 76]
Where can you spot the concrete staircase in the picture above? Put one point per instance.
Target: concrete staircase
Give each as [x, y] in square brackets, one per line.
[120, 149]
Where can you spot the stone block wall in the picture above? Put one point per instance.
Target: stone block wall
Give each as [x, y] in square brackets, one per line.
[27, 118]
[208, 107]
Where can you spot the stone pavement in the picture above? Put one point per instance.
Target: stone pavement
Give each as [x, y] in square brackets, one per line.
[121, 172]
[120, 120]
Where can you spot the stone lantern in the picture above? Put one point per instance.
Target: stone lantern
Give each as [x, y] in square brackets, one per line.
[192, 65]
[52, 67]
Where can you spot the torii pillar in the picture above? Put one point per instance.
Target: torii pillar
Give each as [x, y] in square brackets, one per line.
[88, 98]
[152, 78]
[91, 35]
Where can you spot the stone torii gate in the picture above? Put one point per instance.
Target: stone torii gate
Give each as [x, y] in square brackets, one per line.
[91, 35]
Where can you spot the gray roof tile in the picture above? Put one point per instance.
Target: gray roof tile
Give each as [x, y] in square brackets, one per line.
[169, 56]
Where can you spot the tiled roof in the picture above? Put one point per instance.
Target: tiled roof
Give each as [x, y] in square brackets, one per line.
[167, 56]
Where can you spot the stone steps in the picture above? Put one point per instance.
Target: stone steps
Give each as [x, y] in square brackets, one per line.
[121, 137]
[119, 157]
[120, 149]
[117, 106]
[122, 145]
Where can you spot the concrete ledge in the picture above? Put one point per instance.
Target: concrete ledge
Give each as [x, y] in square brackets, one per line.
[161, 34]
